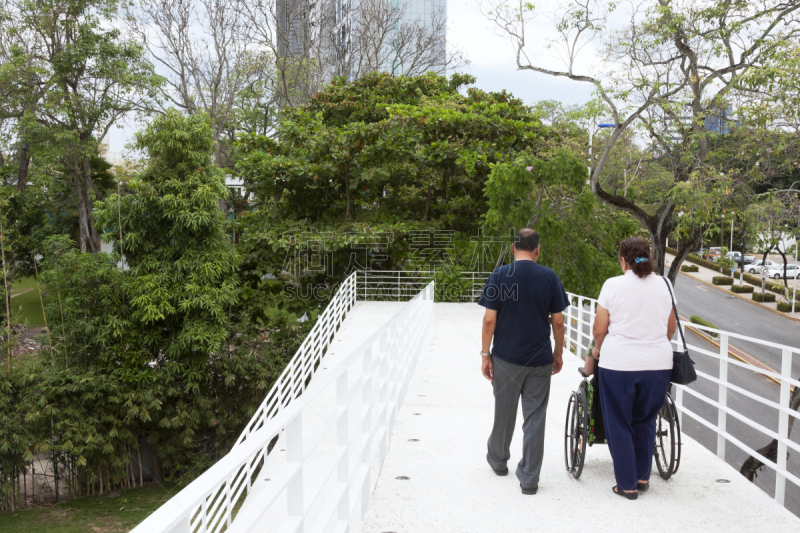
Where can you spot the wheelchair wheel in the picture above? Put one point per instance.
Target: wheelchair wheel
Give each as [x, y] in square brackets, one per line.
[576, 433]
[668, 439]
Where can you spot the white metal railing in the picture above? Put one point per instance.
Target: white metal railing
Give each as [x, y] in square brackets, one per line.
[370, 385]
[295, 377]
[580, 319]
[399, 285]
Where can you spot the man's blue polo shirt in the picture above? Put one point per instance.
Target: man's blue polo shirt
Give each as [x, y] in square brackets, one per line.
[524, 294]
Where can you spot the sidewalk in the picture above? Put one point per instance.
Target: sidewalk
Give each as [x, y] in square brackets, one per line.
[705, 275]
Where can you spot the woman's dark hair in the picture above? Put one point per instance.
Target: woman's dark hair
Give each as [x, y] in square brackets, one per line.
[636, 252]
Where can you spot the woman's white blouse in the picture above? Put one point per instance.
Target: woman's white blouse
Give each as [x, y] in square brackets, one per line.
[639, 312]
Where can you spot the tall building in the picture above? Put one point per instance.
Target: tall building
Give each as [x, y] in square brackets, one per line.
[294, 24]
[353, 37]
[432, 17]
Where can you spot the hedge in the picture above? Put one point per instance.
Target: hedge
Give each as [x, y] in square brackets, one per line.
[690, 268]
[768, 297]
[743, 289]
[771, 286]
[697, 320]
[787, 307]
[722, 280]
[698, 260]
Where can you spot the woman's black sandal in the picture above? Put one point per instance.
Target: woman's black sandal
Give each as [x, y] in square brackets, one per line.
[629, 495]
[643, 486]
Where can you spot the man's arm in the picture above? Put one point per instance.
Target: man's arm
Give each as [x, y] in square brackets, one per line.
[558, 335]
[489, 321]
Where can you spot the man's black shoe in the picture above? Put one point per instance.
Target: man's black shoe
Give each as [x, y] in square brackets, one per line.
[528, 491]
[503, 472]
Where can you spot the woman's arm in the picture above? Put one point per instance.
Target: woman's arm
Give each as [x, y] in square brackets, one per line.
[672, 325]
[600, 328]
[588, 366]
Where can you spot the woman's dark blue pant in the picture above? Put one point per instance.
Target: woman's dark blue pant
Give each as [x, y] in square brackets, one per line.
[630, 402]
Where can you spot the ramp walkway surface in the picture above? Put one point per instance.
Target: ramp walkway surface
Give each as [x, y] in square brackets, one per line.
[439, 444]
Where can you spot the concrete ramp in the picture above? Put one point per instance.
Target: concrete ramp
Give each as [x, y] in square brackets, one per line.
[439, 444]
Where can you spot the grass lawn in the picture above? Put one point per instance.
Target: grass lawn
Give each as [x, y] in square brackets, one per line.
[26, 308]
[91, 514]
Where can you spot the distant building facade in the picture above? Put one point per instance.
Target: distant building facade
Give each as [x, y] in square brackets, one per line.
[335, 32]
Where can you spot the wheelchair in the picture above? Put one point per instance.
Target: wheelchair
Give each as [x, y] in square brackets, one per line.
[584, 428]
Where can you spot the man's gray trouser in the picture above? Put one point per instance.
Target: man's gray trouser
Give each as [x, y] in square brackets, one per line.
[533, 384]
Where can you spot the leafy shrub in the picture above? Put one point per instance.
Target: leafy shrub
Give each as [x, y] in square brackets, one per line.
[698, 260]
[697, 320]
[768, 297]
[743, 289]
[722, 280]
[690, 268]
[786, 307]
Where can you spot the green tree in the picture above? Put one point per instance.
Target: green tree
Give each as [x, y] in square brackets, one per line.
[182, 265]
[380, 155]
[578, 235]
[674, 69]
[69, 76]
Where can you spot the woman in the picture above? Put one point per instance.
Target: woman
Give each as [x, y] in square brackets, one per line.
[632, 331]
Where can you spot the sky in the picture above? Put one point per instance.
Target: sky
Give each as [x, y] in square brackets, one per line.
[491, 58]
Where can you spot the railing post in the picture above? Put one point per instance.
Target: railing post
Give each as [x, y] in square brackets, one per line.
[204, 516]
[294, 458]
[722, 416]
[579, 335]
[366, 425]
[568, 331]
[783, 426]
[383, 398]
[398, 286]
[343, 430]
[228, 502]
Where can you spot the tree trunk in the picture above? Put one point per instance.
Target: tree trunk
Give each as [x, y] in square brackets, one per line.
[770, 451]
[24, 165]
[660, 226]
[427, 202]
[689, 244]
[158, 475]
[82, 227]
[347, 193]
[94, 239]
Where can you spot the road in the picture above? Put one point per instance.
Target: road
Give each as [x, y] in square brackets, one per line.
[730, 313]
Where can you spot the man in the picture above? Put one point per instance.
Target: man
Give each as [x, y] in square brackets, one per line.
[519, 299]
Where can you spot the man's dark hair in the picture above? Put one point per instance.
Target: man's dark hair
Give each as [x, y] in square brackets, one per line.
[526, 240]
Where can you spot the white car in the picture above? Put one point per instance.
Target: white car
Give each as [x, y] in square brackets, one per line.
[792, 271]
[755, 267]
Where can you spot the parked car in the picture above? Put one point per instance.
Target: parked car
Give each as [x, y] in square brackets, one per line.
[737, 257]
[755, 266]
[714, 253]
[792, 271]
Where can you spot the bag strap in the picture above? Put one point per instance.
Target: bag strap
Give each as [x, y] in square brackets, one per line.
[675, 310]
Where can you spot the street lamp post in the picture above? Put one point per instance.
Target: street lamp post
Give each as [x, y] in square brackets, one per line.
[591, 136]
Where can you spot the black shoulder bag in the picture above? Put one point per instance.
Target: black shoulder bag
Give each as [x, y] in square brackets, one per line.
[682, 365]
